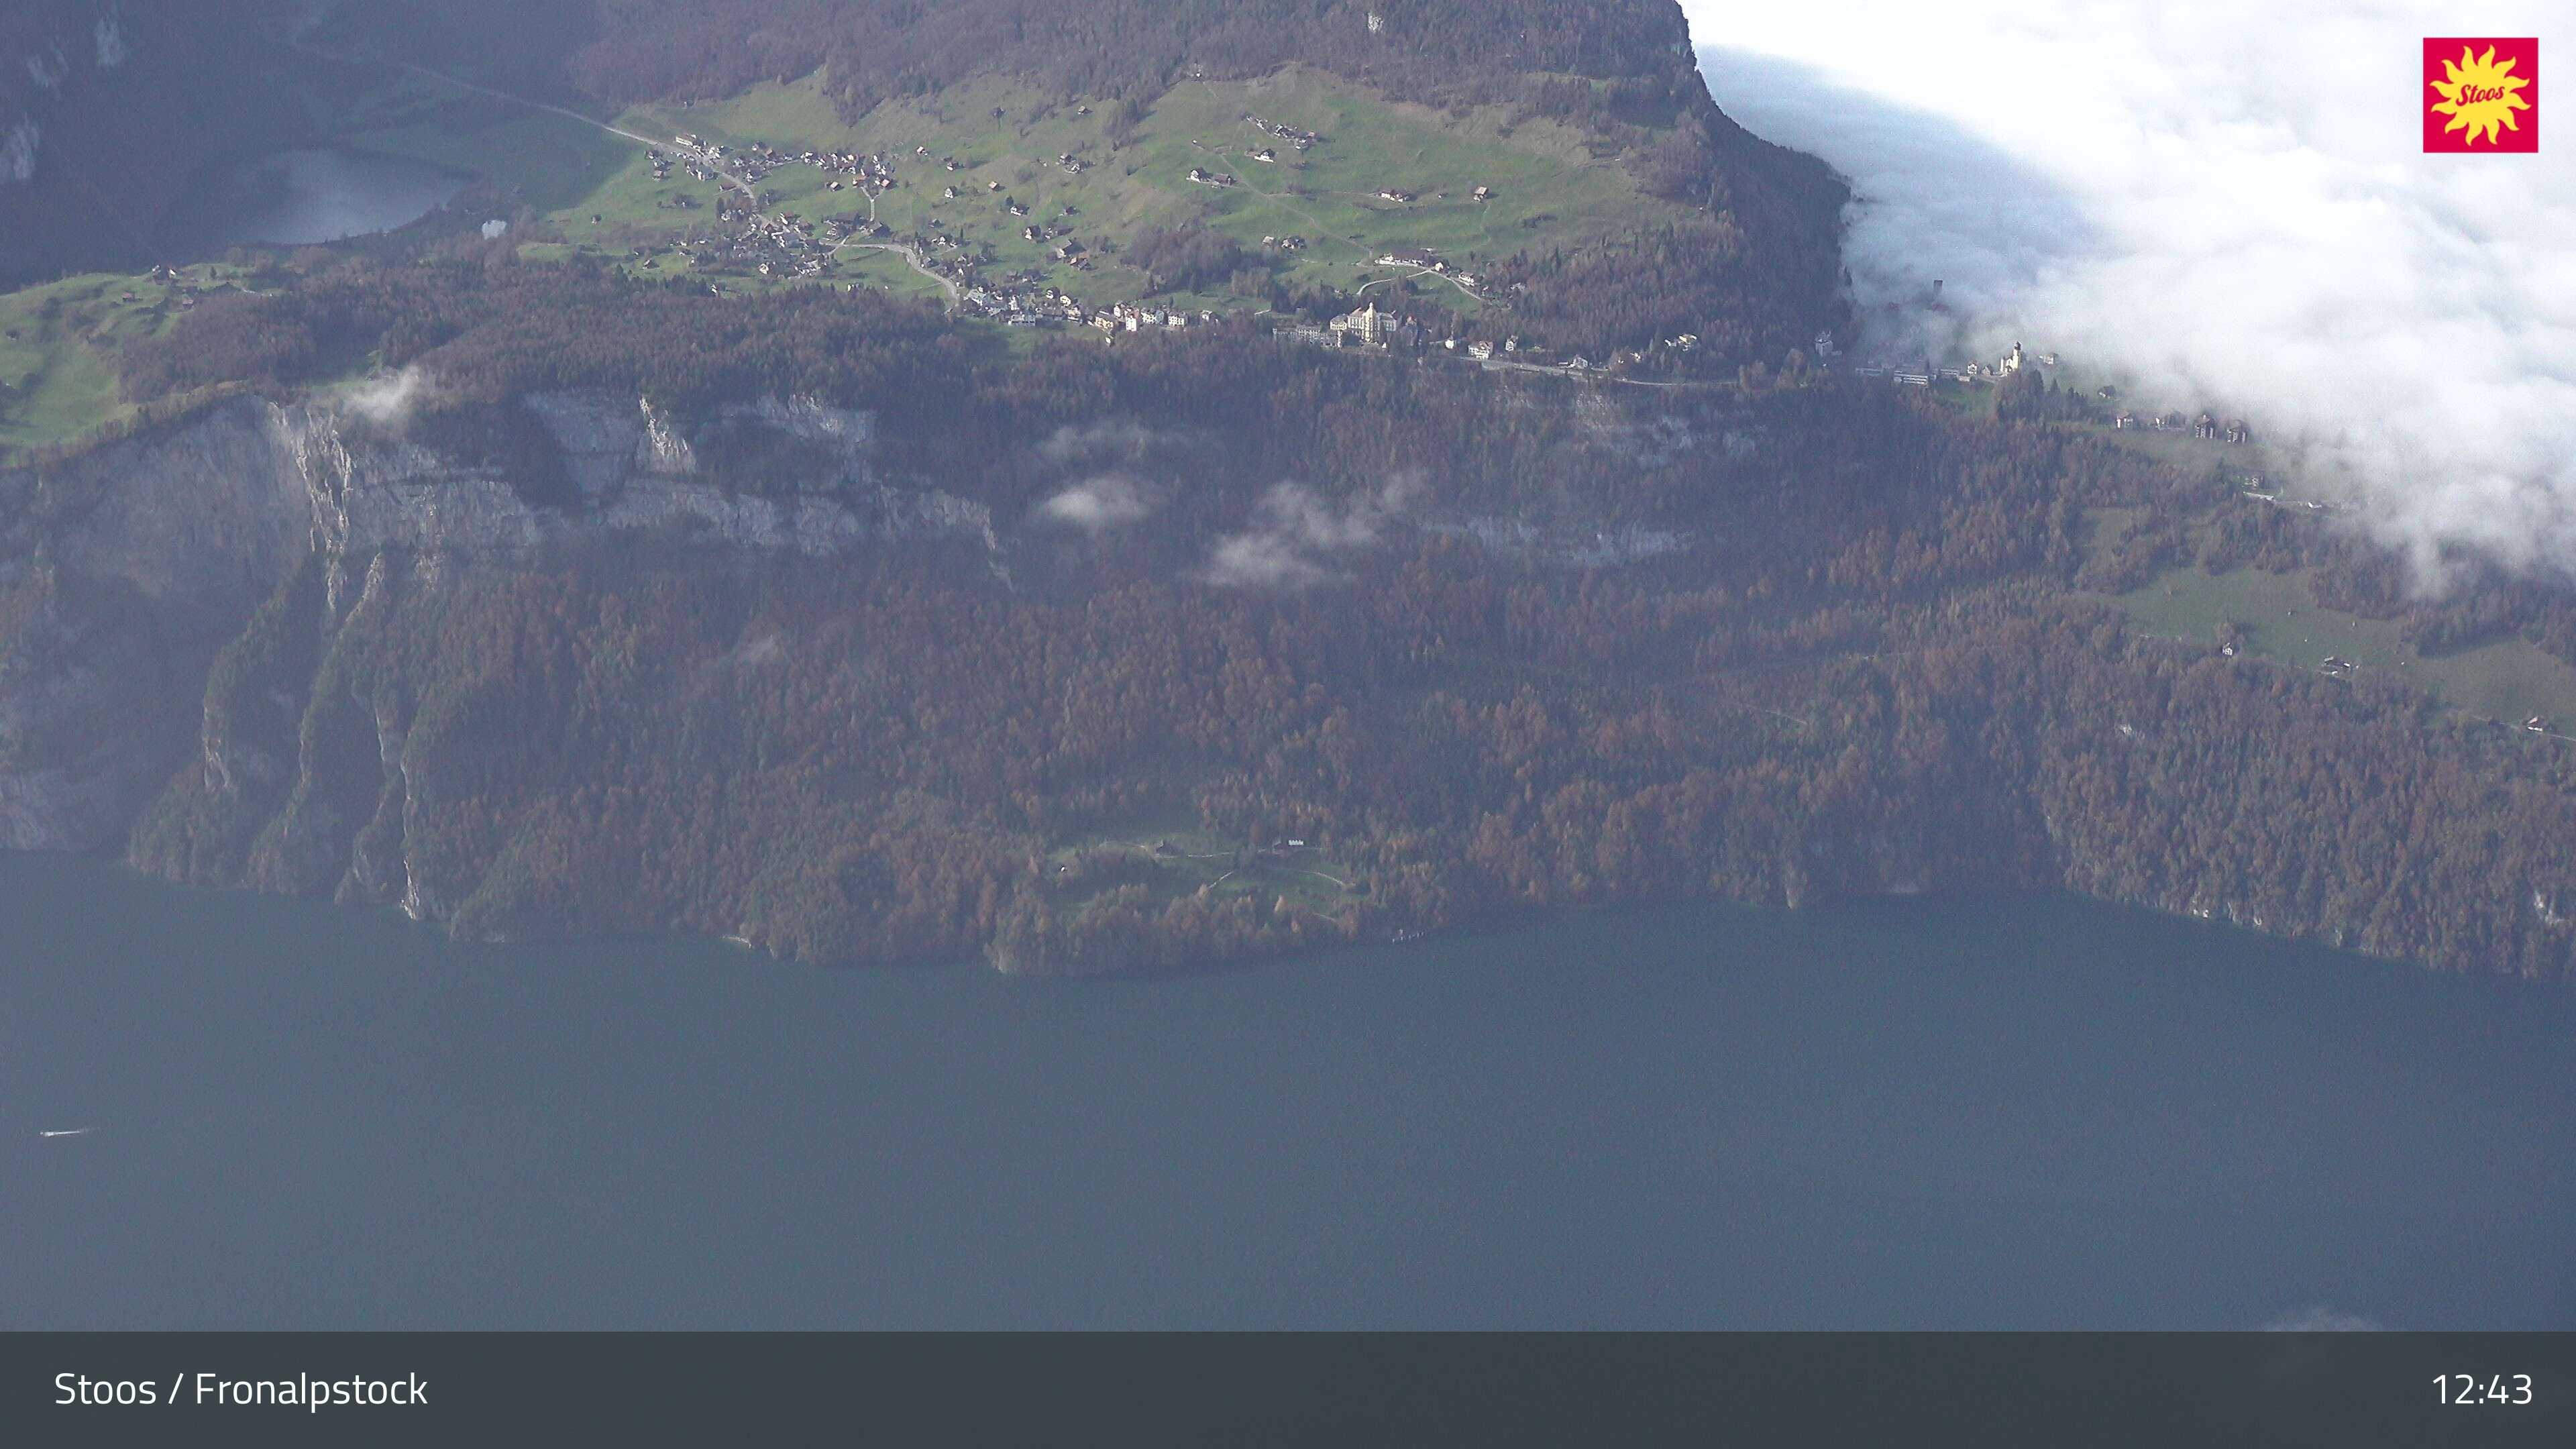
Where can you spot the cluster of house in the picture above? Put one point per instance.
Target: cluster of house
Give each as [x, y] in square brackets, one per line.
[1512, 349]
[1025, 299]
[1129, 317]
[1302, 140]
[1920, 372]
[182, 291]
[1615, 361]
[783, 246]
[1375, 330]
[1426, 259]
[1917, 373]
[786, 246]
[2003, 367]
[707, 161]
[1017, 304]
[701, 161]
[2207, 425]
[1908, 374]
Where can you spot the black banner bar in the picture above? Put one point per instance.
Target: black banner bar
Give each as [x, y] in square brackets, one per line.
[2271, 1389]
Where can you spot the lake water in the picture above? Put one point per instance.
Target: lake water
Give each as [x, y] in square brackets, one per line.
[301, 198]
[1999, 1112]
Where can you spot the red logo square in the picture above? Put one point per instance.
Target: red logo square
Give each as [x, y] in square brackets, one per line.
[2481, 94]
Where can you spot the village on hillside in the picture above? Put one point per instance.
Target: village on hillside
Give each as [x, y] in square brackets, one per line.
[1024, 212]
[747, 234]
[1356, 225]
[961, 222]
[2204, 423]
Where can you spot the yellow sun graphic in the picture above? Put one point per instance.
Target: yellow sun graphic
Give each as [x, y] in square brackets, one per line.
[2480, 95]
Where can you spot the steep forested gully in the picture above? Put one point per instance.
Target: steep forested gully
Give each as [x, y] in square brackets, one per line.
[813, 621]
[814, 632]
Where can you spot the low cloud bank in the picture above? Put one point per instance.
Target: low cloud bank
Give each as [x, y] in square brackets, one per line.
[1299, 538]
[2225, 207]
[1109, 439]
[1096, 505]
[388, 400]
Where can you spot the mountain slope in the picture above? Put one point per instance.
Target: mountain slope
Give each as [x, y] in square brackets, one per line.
[110, 110]
[1567, 160]
[1195, 648]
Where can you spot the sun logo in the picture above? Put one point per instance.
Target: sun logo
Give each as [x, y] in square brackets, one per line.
[2483, 97]
[2479, 95]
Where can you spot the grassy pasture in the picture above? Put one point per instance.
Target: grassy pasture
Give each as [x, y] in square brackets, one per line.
[1196, 860]
[1540, 174]
[58, 352]
[2507, 679]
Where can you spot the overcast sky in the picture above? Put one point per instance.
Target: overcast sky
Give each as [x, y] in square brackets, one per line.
[2229, 207]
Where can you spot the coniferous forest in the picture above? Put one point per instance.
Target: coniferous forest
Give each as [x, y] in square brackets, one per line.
[1207, 644]
[1478, 642]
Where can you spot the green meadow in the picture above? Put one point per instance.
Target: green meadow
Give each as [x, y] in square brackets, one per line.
[2277, 618]
[59, 344]
[1175, 857]
[588, 190]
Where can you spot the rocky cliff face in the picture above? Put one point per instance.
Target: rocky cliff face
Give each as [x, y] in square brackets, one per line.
[211, 573]
[779, 475]
[112, 111]
[584, 663]
[123, 573]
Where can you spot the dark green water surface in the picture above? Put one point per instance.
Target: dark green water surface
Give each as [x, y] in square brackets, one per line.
[1992, 1112]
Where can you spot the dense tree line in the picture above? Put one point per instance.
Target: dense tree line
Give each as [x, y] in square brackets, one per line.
[1705, 279]
[871, 50]
[1190, 257]
[1857, 658]
[791, 754]
[1864, 670]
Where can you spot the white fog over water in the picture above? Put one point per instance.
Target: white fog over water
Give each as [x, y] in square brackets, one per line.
[2224, 206]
